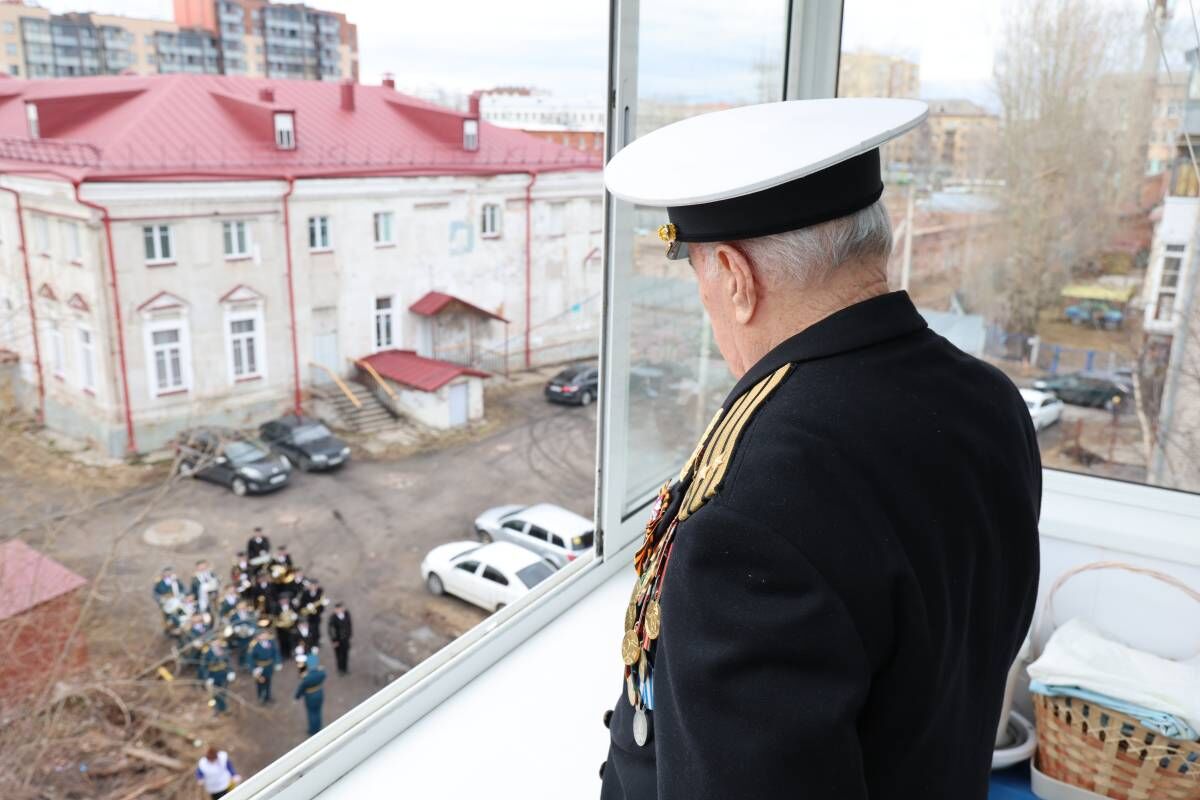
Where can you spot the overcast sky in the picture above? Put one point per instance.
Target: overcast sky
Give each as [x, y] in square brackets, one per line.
[689, 46]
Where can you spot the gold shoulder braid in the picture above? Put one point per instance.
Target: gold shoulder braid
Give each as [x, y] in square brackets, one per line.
[699, 480]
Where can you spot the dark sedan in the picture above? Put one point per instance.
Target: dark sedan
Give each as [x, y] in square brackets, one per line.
[1083, 389]
[230, 459]
[578, 384]
[305, 442]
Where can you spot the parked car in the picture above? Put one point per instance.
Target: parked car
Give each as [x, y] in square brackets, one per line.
[548, 530]
[1083, 389]
[305, 442]
[578, 384]
[1044, 408]
[1095, 313]
[490, 576]
[227, 457]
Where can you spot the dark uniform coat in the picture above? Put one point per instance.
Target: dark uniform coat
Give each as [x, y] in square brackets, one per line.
[839, 613]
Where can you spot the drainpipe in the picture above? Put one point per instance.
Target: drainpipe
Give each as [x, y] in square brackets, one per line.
[106, 220]
[528, 260]
[287, 249]
[37, 349]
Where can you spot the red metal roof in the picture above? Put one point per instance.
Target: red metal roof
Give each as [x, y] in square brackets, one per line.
[410, 369]
[28, 578]
[158, 127]
[435, 303]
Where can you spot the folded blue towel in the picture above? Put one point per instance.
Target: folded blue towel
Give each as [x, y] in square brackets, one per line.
[1161, 721]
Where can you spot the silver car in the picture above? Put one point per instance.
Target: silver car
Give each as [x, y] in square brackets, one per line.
[553, 532]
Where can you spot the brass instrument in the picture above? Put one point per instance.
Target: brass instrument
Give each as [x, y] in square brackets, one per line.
[311, 608]
[286, 617]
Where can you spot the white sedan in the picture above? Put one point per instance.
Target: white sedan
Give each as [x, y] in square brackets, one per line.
[490, 576]
[1044, 407]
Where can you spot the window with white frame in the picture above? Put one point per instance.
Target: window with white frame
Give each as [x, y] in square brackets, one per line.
[318, 233]
[245, 344]
[470, 134]
[74, 245]
[158, 243]
[489, 220]
[383, 323]
[41, 234]
[31, 118]
[235, 235]
[285, 130]
[384, 232]
[87, 360]
[168, 356]
[1168, 284]
[557, 225]
[58, 354]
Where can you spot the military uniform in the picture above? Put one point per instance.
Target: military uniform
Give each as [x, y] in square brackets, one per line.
[832, 593]
[311, 688]
[264, 656]
[341, 629]
[245, 626]
[218, 670]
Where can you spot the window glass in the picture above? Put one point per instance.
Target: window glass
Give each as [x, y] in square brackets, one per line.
[236, 238]
[676, 379]
[556, 540]
[538, 533]
[514, 525]
[383, 227]
[383, 322]
[1027, 229]
[495, 575]
[318, 233]
[156, 240]
[467, 566]
[535, 573]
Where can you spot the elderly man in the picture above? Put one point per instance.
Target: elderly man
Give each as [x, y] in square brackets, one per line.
[830, 596]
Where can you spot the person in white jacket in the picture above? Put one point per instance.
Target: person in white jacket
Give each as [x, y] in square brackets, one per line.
[216, 773]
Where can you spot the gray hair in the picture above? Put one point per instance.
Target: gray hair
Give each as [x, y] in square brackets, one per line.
[805, 257]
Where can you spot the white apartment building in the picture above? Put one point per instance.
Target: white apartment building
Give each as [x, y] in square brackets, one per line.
[261, 235]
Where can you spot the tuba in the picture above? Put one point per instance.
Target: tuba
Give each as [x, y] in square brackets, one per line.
[286, 617]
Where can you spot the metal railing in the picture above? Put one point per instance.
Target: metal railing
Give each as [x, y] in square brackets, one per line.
[366, 367]
[339, 383]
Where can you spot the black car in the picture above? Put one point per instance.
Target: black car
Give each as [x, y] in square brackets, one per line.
[1086, 389]
[578, 384]
[305, 442]
[231, 459]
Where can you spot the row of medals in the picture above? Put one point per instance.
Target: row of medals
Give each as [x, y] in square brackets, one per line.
[643, 617]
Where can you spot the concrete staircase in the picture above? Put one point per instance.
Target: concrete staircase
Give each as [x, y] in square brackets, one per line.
[371, 417]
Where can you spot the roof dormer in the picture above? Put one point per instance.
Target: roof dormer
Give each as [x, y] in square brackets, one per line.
[285, 130]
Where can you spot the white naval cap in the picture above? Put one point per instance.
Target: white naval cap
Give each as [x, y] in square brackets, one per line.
[757, 170]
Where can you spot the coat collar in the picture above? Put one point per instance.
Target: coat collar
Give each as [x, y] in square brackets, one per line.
[863, 324]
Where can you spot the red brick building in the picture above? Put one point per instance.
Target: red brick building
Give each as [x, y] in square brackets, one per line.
[39, 606]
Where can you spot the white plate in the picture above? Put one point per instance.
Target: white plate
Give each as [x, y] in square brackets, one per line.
[1024, 738]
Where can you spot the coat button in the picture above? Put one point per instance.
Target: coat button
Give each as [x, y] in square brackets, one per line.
[607, 717]
[603, 764]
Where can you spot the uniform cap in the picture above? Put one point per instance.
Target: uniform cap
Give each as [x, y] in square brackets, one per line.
[763, 169]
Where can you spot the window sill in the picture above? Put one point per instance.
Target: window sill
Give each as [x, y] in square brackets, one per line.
[76, 262]
[173, 393]
[42, 255]
[248, 379]
[89, 392]
[161, 263]
[384, 245]
[320, 250]
[246, 257]
[489, 236]
[60, 378]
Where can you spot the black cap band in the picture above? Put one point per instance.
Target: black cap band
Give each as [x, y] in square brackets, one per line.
[833, 192]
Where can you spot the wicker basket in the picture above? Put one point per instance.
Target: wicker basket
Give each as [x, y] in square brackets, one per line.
[1105, 751]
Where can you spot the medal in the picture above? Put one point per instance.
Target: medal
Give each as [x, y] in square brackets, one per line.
[630, 649]
[653, 619]
[630, 616]
[641, 727]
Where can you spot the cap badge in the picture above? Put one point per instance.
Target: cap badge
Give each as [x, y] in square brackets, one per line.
[667, 232]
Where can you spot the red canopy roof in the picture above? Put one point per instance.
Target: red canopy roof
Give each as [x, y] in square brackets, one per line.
[435, 303]
[28, 578]
[222, 127]
[410, 369]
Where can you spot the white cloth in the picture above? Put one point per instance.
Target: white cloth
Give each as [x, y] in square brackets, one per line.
[1077, 655]
[215, 774]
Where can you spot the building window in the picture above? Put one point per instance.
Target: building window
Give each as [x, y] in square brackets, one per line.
[470, 134]
[244, 348]
[383, 323]
[41, 234]
[489, 220]
[318, 233]
[236, 238]
[31, 116]
[71, 237]
[158, 243]
[558, 219]
[285, 130]
[58, 356]
[383, 228]
[168, 355]
[87, 360]
[1168, 285]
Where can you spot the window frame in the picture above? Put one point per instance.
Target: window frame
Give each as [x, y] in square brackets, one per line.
[390, 315]
[87, 358]
[174, 322]
[73, 240]
[285, 135]
[41, 233]
[390, 216]
[320, 223]
[156, 238]
[245, 313]
[493, 214]
[229, 236]
[58, 350]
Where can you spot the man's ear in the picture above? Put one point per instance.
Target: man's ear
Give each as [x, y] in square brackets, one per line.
[737, 281]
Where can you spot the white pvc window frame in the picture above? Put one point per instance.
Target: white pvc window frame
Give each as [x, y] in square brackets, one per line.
[245, 348]
[384, 332]
[235, 239]
[87, 357]
[183, 344]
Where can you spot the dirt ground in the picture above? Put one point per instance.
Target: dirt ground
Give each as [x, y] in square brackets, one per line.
[362, 531]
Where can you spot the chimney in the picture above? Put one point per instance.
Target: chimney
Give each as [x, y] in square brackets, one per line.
[389, 80]
[266, 94]
[473, 107]
[347, 95]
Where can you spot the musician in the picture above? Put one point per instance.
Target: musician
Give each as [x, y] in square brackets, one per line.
[313, 602]
[219, 672]
[195, 646]
[167, 586]
[204, 586]
[285, 623]
[257, 545]
[230, 602]
[265, 657]
[307, 634]
[262, 595]
[282, 557]
[340, 630]
[240, 572]
[288, 579]
[245, 626]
